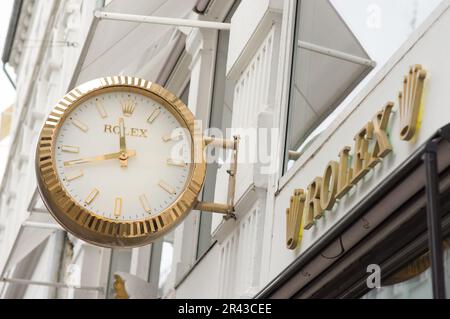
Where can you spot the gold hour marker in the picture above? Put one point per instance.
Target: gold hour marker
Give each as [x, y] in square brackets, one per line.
[80, 125]
[74, 175]
[70, 149]
[92, 196]
[118, 207]
[171, 137]
[174, 162]
[166, 187]
[101, 109]
[145, 204]
[154, 115]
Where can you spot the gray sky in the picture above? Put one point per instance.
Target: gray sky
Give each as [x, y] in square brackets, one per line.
[383, 25]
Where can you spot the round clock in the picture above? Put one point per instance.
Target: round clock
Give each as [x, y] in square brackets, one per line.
[119, 162]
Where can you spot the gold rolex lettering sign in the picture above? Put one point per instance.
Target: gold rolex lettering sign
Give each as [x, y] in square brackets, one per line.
[371, 146]
[307, 206]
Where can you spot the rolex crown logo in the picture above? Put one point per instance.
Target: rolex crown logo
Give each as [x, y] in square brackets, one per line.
[128, 107]
[294, 220]
[410, 101]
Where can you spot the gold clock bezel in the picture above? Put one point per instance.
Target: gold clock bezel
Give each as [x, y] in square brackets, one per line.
[80, 221]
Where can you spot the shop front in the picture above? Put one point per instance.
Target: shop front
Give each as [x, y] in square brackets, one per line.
[364, 212]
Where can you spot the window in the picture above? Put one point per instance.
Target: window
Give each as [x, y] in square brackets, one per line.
[322, 84]
[220, 118]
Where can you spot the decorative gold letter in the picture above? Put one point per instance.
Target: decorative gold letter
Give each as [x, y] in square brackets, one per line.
[329, 186]
[410, 99]
[294, 219]
[312, 208]
[382, 145]
[345, 173]
[361, 157]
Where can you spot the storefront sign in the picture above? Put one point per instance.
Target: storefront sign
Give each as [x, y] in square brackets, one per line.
[371, 146]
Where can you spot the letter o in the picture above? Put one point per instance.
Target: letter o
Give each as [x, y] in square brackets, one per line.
[329, 186]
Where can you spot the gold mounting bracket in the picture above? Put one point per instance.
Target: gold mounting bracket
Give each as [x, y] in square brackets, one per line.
[225, 209]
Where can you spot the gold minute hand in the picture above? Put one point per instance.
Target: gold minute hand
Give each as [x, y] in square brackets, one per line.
[105, 157]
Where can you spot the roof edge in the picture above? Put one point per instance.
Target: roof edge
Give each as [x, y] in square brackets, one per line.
[13, 22]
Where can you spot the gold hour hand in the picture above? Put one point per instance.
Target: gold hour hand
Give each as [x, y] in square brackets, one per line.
[105, 157]
[123, 146]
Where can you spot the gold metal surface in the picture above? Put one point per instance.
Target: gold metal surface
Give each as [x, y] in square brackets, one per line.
[372, 145]
[99, 158]
[174, 162]
[410, 100]
[145, 204]
[219, 142]
[214, 207]
[80, 125]
[228, 208]
[118, 204]
[166, 187]
[128, 107]
[101, 109]
[154, 115]
[294, 219]
[82, 222]
[123, 146]
[119, 288]
[70, 149]
[92, 195]
[74, 175]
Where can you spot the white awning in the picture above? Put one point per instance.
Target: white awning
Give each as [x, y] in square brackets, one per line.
[130, 48]
[329, 64]
[35, 230]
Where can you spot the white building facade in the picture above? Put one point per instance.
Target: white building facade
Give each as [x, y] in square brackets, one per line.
[298, 82]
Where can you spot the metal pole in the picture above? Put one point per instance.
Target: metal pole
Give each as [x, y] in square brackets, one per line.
[8, 76]
[434, 220]
[336, 54]
[43, 226]
[162, 20]
[48, 284]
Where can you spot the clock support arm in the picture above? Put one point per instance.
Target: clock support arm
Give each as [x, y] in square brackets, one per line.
[228, 208]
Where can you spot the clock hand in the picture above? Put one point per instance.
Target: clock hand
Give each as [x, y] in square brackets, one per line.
[123, 147]
[129, 153]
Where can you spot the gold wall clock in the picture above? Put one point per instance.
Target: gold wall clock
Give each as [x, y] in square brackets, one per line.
[119, 162]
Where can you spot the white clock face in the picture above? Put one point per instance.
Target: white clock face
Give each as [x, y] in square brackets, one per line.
[123, 156]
